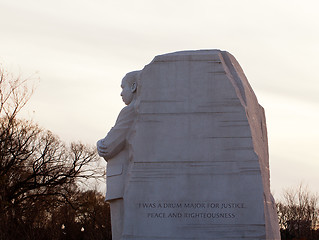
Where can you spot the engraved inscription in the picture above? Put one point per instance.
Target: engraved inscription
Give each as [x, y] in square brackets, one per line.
[191, 210]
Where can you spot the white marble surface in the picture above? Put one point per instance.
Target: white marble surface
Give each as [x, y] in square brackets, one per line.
[199, 167]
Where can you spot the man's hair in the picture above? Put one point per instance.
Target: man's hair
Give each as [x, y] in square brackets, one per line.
[132, 77]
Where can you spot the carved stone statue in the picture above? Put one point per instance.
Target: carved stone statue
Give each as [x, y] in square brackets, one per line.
[114, 149]
[188, 155]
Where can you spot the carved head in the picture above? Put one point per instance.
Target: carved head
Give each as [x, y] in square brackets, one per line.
[129, 86]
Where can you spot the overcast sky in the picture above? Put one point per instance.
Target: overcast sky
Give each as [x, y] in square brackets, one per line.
[81, 49]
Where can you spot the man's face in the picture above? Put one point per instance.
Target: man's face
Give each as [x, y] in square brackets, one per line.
[127, 93]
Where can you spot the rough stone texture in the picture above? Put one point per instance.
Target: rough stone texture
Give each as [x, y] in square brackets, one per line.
[200, 155]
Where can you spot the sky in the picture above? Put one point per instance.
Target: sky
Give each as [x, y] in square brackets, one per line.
[81, 49]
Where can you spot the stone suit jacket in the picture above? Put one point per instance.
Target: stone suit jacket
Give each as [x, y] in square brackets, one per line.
[117, 143]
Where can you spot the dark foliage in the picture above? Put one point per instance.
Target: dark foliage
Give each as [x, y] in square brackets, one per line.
[87, 218]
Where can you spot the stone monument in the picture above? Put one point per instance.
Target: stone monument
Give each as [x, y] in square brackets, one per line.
[194, 154]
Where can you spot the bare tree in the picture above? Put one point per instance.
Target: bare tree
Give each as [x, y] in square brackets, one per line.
[38, 171]
[298, 213]
[14, 94]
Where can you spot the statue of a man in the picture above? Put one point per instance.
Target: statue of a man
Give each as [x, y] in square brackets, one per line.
[114, 148]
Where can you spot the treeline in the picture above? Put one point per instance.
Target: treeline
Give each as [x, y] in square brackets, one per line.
[40, 196]
[298, 214]
[85, 217]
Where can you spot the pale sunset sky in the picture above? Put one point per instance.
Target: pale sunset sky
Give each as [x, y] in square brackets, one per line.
[81, 49]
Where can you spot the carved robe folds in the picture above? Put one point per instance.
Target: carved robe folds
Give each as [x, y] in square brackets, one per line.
[117, 144]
